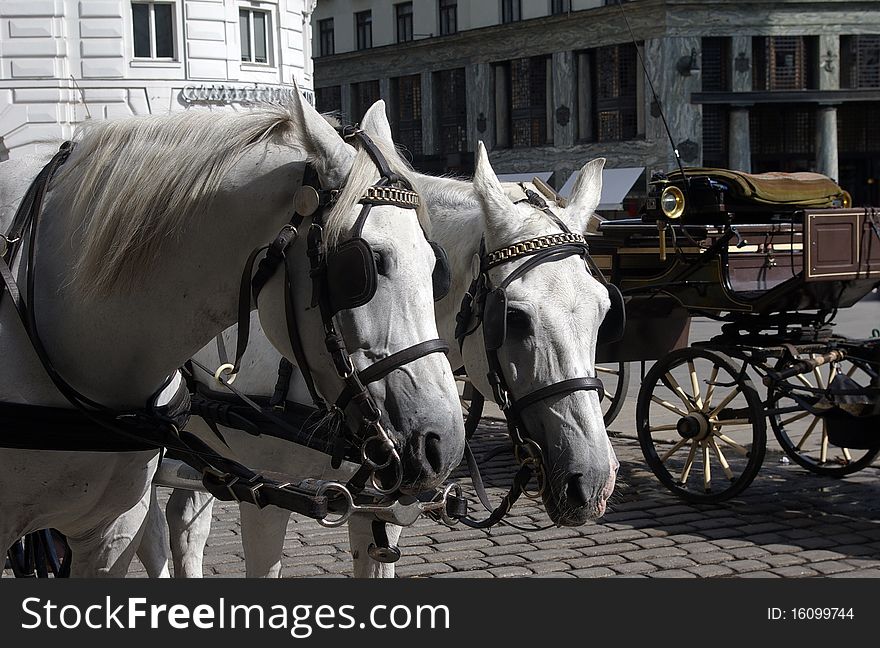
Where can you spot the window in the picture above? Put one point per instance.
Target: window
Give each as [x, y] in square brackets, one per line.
[783, 137]
[363, 95]
[511, 10]
[616, 91]
[784, 62]
[326, 37]
[153, 29]
[404, 12]
[408, 131]
[256, 35]
[528, 96]
[363, 21]
[451, 92]
[860, 61]
[329, 99]
[560, 6]
[715, 62]
[448, 17]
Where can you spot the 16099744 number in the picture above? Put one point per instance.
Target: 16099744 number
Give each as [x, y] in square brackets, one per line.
[810, 614]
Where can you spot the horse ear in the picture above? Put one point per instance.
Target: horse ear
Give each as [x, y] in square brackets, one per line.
[497, 207]
[332, 157]
[585, 196]
[375, 123]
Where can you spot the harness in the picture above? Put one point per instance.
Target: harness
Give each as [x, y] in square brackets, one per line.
[486, 304]
[160, 426]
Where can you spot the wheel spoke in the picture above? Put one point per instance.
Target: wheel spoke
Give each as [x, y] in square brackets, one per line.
[679, 391]
[796, 417]
[736, 391]
[695, 385]
[719, 423]
[846, 455]
[733, 444]
[663, 428]
[721, 459]
[707, 468]
[710, 390]
[689, 463]
[804, 380]
[678, 446]
[601, 369]
[852, 370]
[823, 452]
[669, 406]
[817, 373]
[810, 428]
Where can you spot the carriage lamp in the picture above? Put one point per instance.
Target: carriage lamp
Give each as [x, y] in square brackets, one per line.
[672, 202]
[846, 200]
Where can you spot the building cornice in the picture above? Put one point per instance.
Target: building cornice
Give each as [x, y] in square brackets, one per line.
[600, 26]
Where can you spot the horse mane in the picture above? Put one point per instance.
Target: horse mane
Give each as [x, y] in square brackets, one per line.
[132, 183]
[364, 174]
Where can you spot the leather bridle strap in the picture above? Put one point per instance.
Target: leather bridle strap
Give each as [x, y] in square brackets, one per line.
[380, 369]
[558, 389]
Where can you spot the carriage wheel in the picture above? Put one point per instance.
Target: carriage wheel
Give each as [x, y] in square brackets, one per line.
[701, 425]
[615, 379]
[804, 437]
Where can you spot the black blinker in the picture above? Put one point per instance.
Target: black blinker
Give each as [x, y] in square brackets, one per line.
[495, 319]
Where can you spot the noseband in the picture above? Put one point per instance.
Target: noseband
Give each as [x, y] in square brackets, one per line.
[343, 277]
[486, 304]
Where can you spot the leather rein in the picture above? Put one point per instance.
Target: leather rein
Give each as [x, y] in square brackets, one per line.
[156, 428]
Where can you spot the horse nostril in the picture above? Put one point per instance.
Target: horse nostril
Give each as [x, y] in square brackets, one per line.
[577, 491]
[433, 452]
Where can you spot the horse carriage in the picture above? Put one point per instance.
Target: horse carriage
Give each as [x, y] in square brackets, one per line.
[726, 245]
[772, 258]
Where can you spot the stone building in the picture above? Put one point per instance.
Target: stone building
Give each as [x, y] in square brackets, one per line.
[547, 84]
[65, 61]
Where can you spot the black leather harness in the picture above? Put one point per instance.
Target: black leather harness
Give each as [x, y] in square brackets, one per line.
[485, 304]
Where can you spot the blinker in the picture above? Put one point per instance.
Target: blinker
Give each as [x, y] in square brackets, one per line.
[306, 201]
[495, 319]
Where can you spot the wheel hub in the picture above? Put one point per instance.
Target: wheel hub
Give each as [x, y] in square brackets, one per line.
[693, 426]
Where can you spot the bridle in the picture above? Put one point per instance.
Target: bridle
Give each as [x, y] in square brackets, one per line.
[486, 304]
[160, 427]
[342, 278]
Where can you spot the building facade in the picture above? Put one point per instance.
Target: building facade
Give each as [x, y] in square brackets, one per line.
[65, 61]
[548, 84]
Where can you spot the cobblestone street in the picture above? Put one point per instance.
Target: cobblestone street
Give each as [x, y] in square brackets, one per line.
[789, 523]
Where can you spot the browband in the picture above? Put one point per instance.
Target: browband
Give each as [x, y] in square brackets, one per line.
[531, 246]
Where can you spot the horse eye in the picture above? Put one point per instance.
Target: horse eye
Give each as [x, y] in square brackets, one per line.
[380, 263]
[518, 320]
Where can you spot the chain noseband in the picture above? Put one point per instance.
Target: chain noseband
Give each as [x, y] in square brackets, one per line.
[473, 314]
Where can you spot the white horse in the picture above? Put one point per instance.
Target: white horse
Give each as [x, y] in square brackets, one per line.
[140, 251]
[555, 313]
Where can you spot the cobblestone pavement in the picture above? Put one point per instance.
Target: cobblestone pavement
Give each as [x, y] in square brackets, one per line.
[789, 523]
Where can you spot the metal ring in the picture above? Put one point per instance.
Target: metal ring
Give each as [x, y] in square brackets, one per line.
[227, 369]
[398, 469]
[387, 445]
[444, 516]
[349, 504]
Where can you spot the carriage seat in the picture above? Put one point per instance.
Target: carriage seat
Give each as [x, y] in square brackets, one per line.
[774, 188]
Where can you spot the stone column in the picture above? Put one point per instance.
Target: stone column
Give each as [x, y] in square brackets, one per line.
[429, 114]
[826, 141]
[826, 116]
[480, 105]
[564, 111]
[738, 142]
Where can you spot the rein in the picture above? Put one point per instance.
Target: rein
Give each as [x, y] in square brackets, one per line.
[159, 428]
